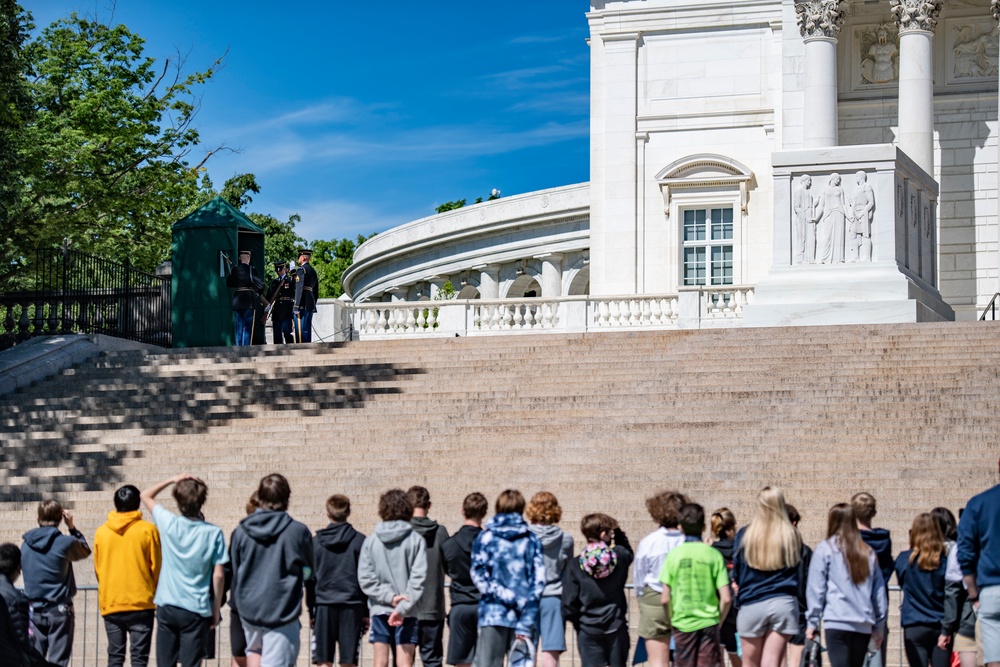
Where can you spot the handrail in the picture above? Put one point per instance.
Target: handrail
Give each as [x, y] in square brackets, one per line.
[991, 308]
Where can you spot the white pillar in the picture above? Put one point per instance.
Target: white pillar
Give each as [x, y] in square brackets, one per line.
[819, 23]
[489, 281]
[551, 275]
[917, 20]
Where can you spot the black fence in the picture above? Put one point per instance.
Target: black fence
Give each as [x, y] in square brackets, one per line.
[73, 292]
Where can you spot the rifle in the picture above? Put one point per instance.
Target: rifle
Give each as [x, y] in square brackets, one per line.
[267, 311]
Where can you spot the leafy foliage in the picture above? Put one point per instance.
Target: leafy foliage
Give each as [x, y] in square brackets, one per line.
[331, 259]
[450, 205]
[460, 203]
[105, 149]
[15, 107]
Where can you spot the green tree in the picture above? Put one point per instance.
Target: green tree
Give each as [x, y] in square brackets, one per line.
[460, 203]
[106, 151]
[15, 107]
[281, 242]
[331, 259]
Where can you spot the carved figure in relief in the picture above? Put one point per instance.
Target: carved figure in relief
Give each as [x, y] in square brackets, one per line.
[881, 64]
[803, 223]
[977, 54]
[831, 217]
[859, 238]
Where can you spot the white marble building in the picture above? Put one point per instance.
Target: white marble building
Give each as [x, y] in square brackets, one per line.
[705, 117]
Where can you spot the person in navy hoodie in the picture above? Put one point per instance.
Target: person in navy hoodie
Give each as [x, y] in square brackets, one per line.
[337, 606]
[765, 570]
[921, 572]
[979, 558]
[47, 558]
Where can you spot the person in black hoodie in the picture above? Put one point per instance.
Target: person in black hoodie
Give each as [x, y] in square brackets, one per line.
[430, 618]
[47, 558]
[594, 593]
[456, 552]
[724, 531]
[338, 608]
[16, 641]
[880, 541]
[272, 557]
[797, 644]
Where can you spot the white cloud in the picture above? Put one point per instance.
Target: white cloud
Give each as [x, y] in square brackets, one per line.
[337, 218]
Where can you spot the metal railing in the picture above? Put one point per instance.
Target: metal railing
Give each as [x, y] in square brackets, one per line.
[66, 291]
[991, 309]
[90, 649]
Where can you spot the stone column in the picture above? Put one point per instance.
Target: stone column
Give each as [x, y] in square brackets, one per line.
[489, 281]
[820, 22]
[551, 274]
[917, 20]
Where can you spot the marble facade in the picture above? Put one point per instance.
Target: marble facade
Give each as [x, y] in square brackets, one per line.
[698, 106]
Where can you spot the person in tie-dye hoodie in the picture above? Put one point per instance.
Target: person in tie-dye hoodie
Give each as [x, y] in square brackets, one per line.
[508, 568]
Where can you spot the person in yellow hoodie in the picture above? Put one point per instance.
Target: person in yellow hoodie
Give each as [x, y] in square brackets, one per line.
[127, 562]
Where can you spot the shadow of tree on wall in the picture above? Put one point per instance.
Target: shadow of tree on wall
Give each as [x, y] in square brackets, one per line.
[52, 433]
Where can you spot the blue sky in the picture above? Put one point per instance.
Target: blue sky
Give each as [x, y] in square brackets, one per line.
[360, 116]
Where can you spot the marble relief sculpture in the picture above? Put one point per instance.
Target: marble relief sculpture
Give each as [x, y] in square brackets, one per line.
[831, 218]
[881, 58]
[803, 222]
[977, 52]
[859, 240]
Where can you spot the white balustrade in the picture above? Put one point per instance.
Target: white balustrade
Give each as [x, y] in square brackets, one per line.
[716, 306]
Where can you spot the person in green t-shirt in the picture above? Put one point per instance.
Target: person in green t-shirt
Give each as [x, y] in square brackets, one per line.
[696, 588]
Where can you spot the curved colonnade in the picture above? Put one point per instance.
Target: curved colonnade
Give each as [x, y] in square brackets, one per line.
[536, 244]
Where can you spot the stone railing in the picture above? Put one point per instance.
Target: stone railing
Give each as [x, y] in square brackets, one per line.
[696, 308]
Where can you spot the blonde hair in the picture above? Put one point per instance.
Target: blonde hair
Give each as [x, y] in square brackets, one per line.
[771, 542]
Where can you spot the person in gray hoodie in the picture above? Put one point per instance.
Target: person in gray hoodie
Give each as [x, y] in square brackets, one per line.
[543, 513]
[845, 591]
[47, 558]
[272, 557]
[392, 571]
[430, 618]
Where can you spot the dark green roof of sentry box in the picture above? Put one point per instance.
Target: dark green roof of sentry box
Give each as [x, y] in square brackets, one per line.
[217, 213]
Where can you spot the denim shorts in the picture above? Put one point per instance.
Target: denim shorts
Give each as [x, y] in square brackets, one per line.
[407, 633]
[989, 622]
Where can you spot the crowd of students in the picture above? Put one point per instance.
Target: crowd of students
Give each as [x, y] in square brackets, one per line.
[515, 583]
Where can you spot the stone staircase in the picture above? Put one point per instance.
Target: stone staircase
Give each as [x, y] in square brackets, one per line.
[908, 412]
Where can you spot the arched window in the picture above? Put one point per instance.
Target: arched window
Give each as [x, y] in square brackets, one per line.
[705, 197]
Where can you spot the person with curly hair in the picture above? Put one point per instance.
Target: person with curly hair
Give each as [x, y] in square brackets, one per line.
[723, 529]
[392, 570]
[543, 513]
[654, 618]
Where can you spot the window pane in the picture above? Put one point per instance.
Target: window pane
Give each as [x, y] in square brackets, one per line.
[722, 224]
[694, 266]
[722, 265]
[695, 227]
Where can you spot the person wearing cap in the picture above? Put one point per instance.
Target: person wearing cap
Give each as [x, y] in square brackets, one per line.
[306, 293]
[248, 286]
[282, 293]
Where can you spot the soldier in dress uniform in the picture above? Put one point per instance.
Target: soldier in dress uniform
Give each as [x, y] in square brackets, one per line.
[282, 291]
[248, 288]
[306, 293]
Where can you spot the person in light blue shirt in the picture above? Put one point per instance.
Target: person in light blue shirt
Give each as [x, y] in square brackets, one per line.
[189, 592]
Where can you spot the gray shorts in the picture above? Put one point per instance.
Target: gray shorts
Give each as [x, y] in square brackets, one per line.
[278, 647]
[778, 614]
[989, 622]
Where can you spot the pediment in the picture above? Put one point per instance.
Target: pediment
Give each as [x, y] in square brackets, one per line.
[702, 169]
